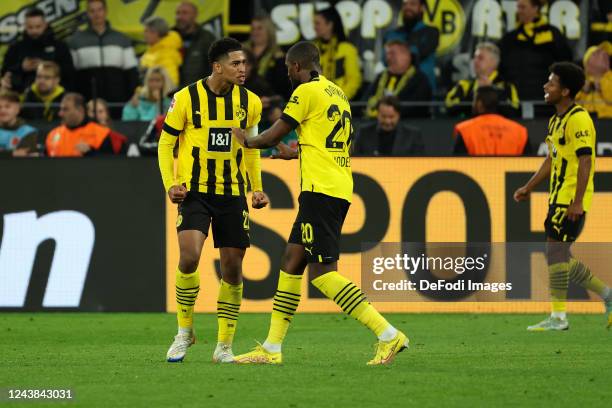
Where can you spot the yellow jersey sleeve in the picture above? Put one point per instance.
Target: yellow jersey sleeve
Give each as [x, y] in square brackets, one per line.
[176, 118]
[252, 161]
[174, 124]
[298, 106]
[581, 132]
[254, 110]
[165, 159]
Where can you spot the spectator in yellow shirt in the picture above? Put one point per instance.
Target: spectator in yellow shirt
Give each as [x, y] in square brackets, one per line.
[596, 96]
[164, 47]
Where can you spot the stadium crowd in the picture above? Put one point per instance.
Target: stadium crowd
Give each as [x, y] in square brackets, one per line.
[95, 76]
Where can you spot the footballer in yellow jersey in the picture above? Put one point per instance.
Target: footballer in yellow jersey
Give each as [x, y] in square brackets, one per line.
[570, 167]
[210, 187]
[320, 113]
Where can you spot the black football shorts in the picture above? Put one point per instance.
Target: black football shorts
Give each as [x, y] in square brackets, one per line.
[559, 228]
[229, 216]
[318, 226]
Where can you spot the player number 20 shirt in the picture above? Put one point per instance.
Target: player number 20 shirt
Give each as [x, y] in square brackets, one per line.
[321, 114]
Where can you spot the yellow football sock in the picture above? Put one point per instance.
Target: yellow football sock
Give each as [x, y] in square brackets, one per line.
[187, 288]
[559, 281]
[228, 308]
[286, 301]
[582, 275]
[351, 300]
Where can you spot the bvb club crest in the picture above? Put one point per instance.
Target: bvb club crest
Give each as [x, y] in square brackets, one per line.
[240, 112]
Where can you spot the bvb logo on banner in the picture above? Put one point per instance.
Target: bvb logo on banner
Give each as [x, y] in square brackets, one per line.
[449, 17]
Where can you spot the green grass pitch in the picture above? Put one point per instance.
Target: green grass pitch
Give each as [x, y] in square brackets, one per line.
[467, 360]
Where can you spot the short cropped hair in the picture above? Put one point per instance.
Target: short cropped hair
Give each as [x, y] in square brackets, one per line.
[571, 76]
[157, 24]
[398, 42]
[491, 48]
[10, 96]
[306, 54]
[221, 48]
[389, 100]
[51, 66]
[489, 97]
[98, 1]
[35, 12]
[77, 99]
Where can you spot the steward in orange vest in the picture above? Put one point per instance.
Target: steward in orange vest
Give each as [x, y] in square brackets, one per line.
[77, 136]
[490, 134]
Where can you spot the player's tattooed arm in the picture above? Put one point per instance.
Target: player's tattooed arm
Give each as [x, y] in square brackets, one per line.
[269, 138]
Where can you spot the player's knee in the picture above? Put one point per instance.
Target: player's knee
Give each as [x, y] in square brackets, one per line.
[188, 262]
[556, 253]
[292, 264]
[231, 266]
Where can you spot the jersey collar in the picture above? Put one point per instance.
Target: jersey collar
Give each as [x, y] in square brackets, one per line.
[314, 76]
[210, 90]
[572, 106]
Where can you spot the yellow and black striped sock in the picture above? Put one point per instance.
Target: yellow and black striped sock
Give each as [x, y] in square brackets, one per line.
[187, 288]
[582, 275]
[352, 301]
[559, 281]
[228, 308]
[286, 301]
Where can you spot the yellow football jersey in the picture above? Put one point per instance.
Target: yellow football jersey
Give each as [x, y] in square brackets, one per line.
[569, 136]
[321, 115]
[209, 159]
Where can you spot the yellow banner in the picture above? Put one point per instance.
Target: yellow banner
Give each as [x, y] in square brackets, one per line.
[126, 16]
[417, 199]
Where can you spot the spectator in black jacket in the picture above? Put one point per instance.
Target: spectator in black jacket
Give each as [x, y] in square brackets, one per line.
[530, 49]
[104, 58]
[402, 79]
[37, 44]
[601, 22]
[388, 137]
[196, 42]
[42, 99]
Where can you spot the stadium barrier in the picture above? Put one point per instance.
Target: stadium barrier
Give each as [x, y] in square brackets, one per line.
[437, 134]
[409, 200]
[82, 234]
[97, 235]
